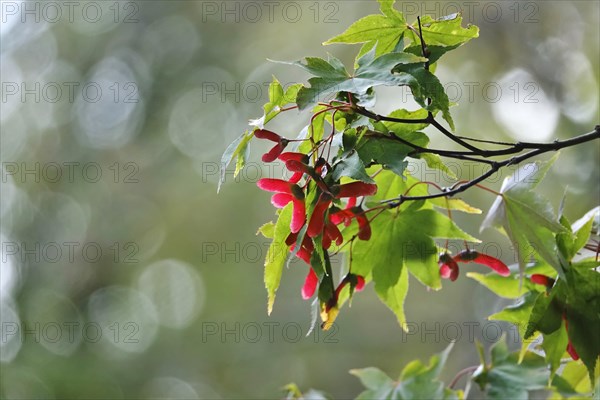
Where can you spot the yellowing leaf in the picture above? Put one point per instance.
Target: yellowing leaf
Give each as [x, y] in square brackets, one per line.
[328, 316]
[455, 204]
[267, 230]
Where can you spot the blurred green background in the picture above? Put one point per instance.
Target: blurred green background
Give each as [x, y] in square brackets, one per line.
[125, 275]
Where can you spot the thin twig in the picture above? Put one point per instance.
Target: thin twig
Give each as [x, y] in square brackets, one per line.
[476, 150]
[421, 150]
[378, 118]
[485, 141]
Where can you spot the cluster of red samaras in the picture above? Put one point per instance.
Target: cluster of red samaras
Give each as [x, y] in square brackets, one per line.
[325, 216]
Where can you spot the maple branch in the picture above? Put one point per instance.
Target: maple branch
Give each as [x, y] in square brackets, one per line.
[496, 166]
[420, 150]
[513, 148]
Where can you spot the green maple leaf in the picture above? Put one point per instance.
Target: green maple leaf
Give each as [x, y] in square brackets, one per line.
[389, 153]
[445, 31]
[417, 381]
[331, 76]
[401, 242]
[238, 149]
[507, 378]
[383, 30]
[427, 89]
[511, 287]
[350, 165]
[583, 315]
[526, 217]
[277, 254]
